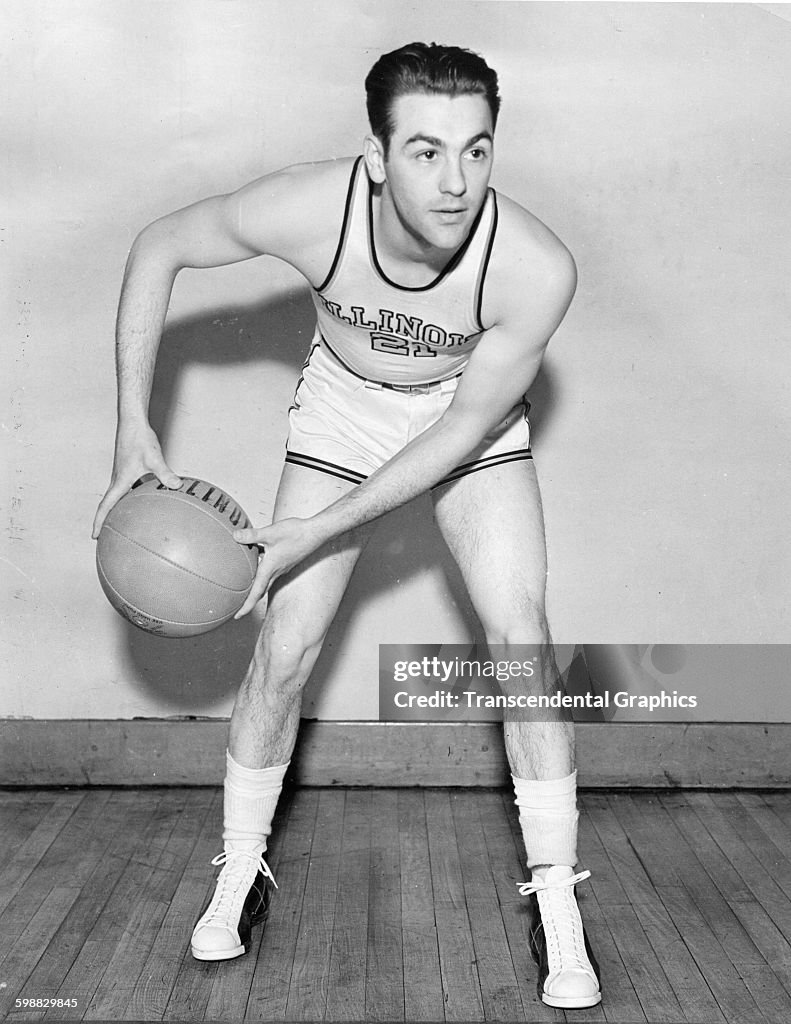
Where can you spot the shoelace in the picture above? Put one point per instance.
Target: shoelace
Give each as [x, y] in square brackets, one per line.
[232, 876]
[561, 920]
[526, 888]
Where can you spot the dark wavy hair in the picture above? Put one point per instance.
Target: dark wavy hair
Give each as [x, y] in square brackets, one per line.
[427, 68]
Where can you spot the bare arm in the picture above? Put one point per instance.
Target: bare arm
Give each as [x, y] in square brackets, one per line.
[201, 235]
[196, 236]
[270, 216]
[501, 369]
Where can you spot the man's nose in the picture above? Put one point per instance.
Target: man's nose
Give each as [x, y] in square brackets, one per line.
[453, 180]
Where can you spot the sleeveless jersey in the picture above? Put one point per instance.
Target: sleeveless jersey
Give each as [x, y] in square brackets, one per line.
[391, 333]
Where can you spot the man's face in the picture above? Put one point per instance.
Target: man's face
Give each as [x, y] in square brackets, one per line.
[438, 166]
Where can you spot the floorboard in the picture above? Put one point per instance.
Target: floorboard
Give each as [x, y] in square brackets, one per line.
[21, 812]
[349, 947]
[500, 994]
[192, 844]
[599, 899]
[393, 905]
[460, 980]
[276, 957]
[384, 975]
[307, 995]
[423, 996]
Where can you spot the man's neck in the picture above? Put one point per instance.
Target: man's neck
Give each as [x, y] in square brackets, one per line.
[405, 257]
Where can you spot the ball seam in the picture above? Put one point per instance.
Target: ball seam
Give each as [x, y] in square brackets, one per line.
[191, 572]
[157, 618]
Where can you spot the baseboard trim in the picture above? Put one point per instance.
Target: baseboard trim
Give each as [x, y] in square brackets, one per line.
[191, 753]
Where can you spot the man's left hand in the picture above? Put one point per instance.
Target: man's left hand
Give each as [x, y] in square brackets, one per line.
[284, 544]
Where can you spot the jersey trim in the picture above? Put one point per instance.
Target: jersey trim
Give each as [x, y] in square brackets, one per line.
[454, 261]
[344, 227]
[485, 264]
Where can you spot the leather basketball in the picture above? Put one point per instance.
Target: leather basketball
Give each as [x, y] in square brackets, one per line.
[167, 560]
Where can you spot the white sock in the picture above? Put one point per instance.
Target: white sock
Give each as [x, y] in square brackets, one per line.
[250, 799]
[548, 816]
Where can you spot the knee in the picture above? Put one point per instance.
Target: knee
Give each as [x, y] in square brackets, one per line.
[521, 636]
[521, 622]
[284, 656]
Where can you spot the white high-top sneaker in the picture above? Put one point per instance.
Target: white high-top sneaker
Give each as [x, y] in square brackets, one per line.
[240, 899]
[568, 975]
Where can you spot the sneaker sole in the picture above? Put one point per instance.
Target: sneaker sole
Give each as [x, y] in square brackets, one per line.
[570, 1003]
[219, 954]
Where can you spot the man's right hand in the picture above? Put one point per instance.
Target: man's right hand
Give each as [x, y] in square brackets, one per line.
[135, 455]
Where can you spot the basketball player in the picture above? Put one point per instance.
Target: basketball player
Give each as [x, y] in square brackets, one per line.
[435, 299]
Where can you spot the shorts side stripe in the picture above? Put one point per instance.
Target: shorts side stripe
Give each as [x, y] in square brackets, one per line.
[322, 466]
[501, 459]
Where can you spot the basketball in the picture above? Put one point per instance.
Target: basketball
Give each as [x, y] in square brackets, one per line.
[167, 560]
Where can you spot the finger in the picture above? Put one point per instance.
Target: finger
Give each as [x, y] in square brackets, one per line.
[257, 591]
[168, 478]
[98, 520]
[105, 505]
[252, 600]
[249, 536]
[248, 606]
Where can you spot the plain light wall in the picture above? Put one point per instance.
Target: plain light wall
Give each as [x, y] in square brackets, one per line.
[653, 138]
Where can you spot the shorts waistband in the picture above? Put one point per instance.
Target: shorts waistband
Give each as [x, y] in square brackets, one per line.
[428, 388]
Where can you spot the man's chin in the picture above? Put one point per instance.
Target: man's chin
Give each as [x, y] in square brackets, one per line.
[450, 237]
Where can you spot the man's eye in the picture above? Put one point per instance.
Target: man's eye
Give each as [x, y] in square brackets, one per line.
[427, 154]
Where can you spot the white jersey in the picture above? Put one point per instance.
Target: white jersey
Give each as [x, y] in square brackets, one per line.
[391, 333]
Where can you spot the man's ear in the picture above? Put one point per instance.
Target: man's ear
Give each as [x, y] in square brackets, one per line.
[374, 159]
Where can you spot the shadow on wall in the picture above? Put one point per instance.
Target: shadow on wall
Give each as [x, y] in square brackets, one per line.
[192, 672]
[198, 671]
[277, 331]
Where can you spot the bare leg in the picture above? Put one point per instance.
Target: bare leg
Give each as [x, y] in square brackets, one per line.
[300, 610]
[493, 523]
[266, 717]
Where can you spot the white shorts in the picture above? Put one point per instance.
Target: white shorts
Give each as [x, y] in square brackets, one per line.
[346, 426]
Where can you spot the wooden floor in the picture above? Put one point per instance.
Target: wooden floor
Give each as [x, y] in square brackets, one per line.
[393, 905]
